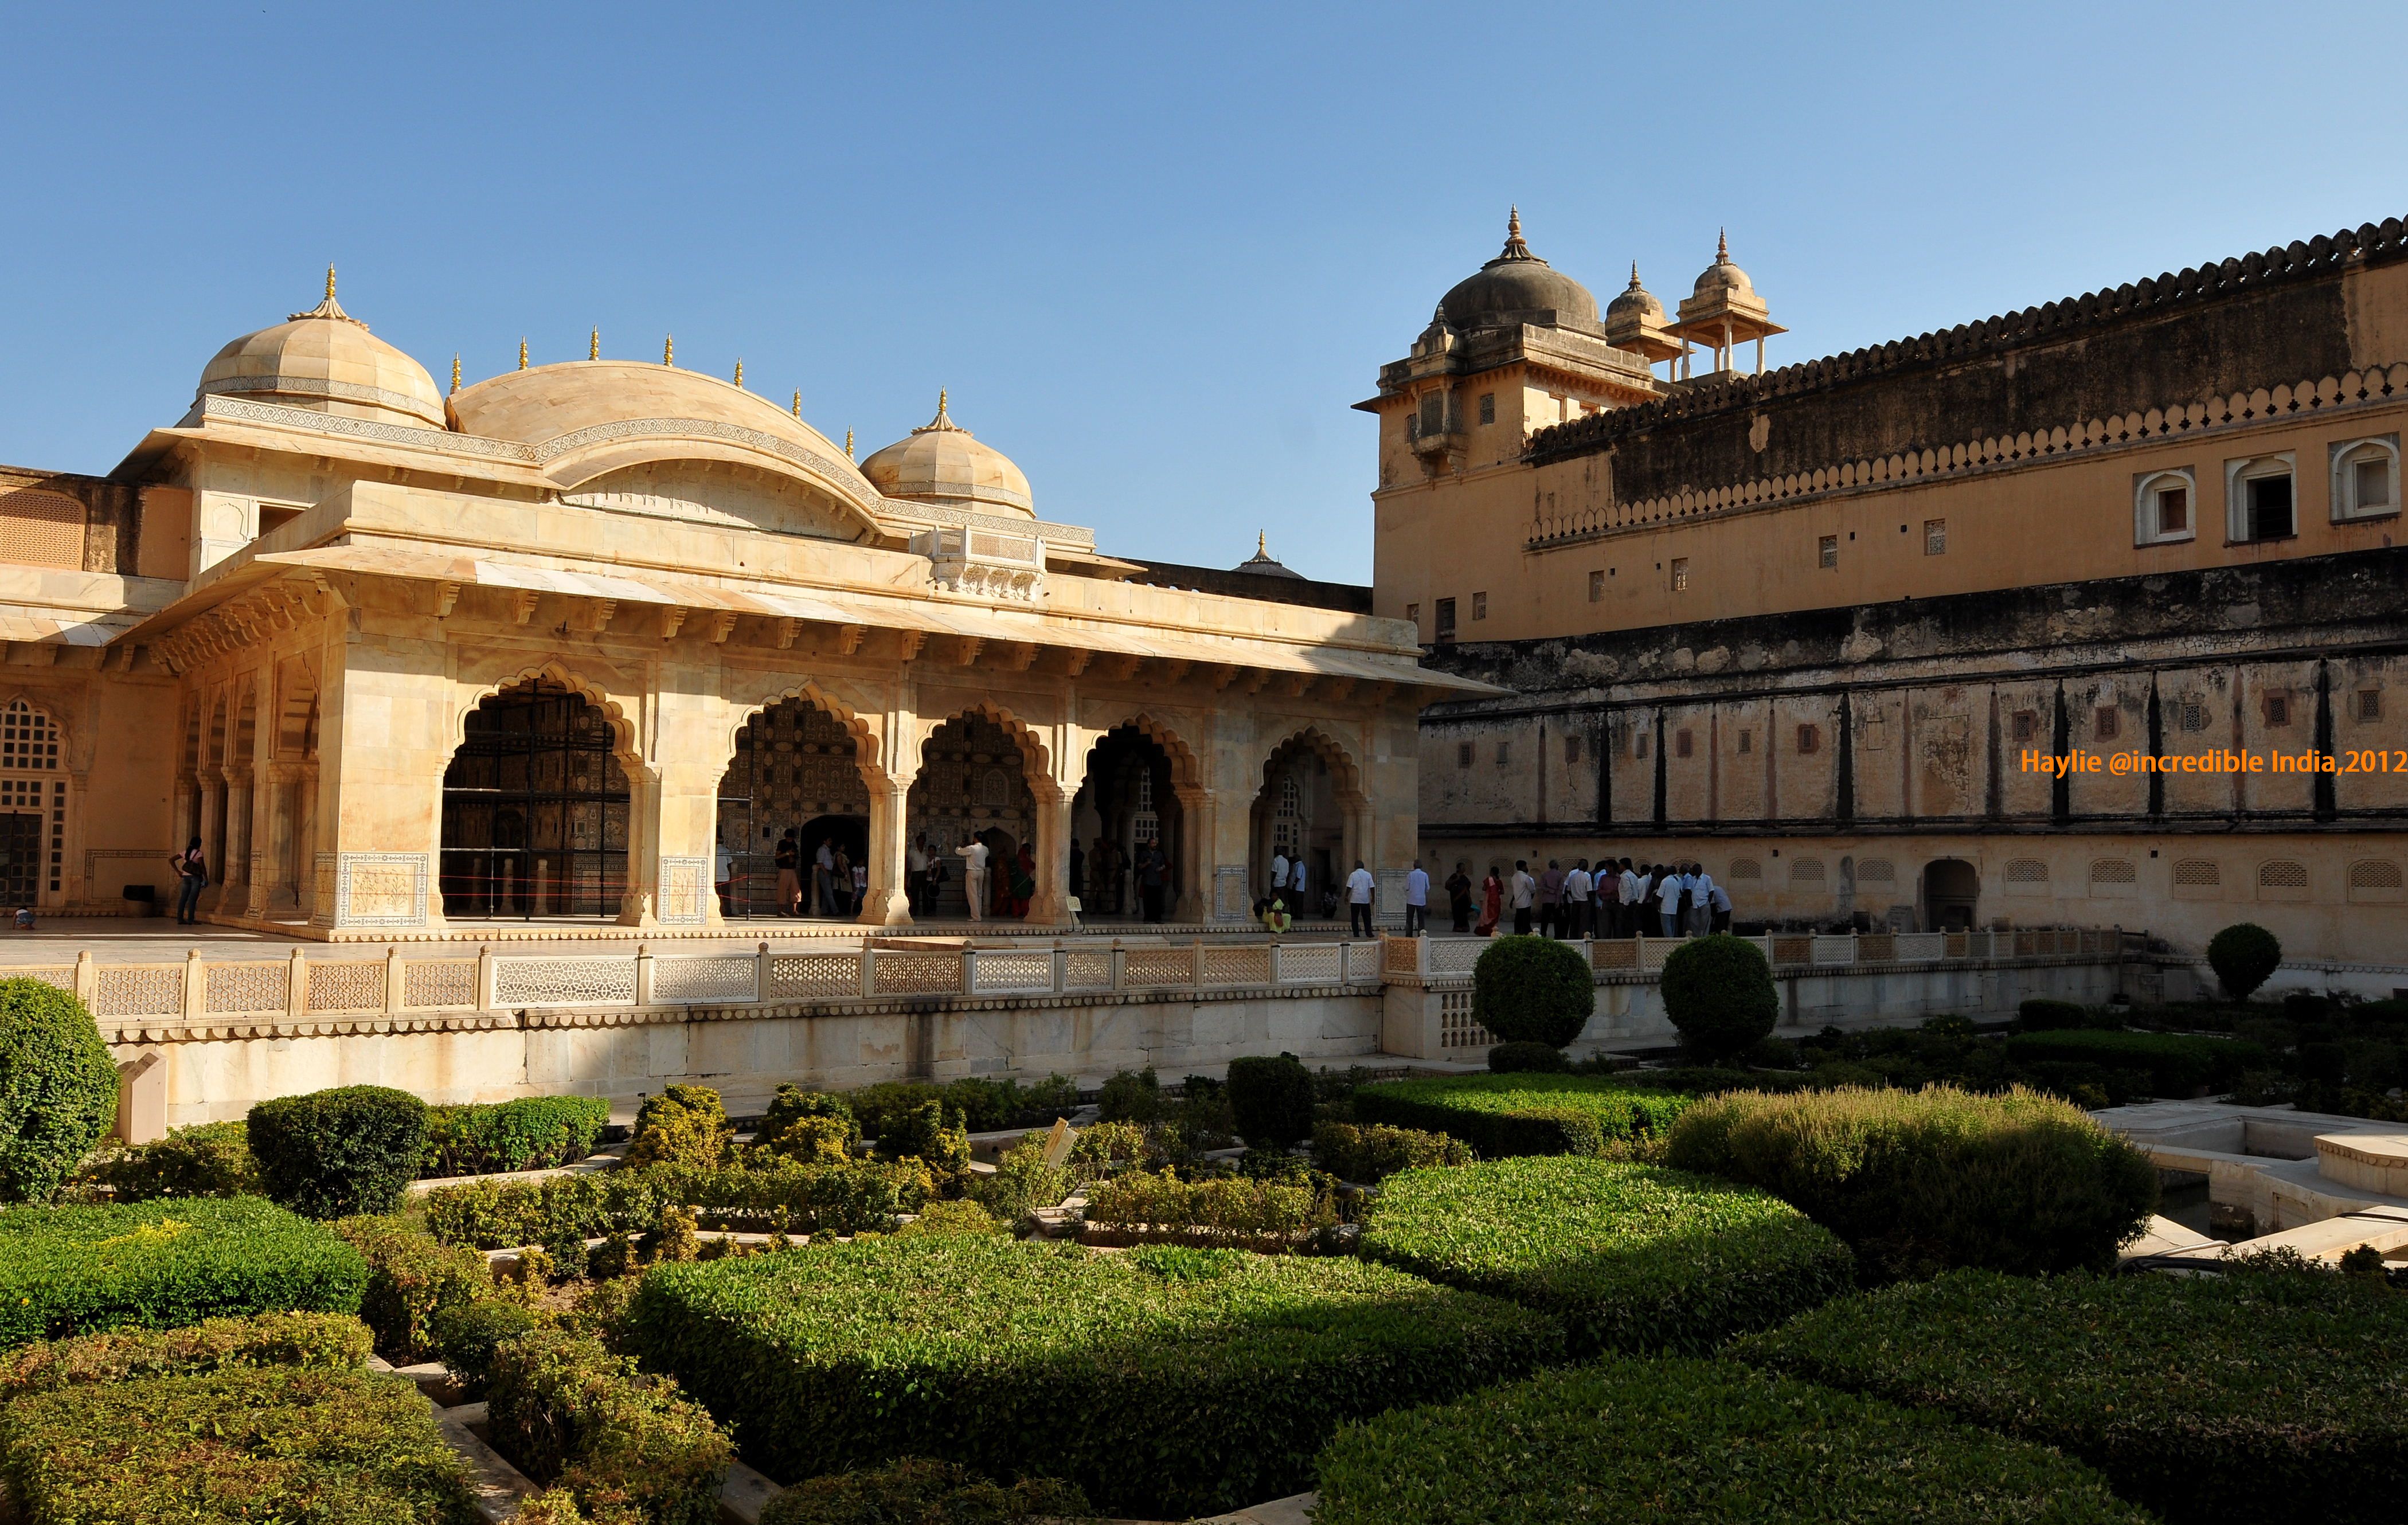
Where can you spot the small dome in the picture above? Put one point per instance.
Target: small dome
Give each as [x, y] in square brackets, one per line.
[326, 360]
[1635, 302]
[1722, 274]
[1261, 565]
[939, 463]
[1515, 287]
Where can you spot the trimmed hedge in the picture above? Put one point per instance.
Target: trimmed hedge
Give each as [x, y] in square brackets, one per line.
[1918, 1181]
[918, 1491]
[1532, 990]
[1273, 1098]
[269, 1339]
[66, 1271]
[1365, 1153]
[1718, 991]
[58, 1088]
[1628, 1257]
[2177, 1064]
[533, 1133]
[569, 1413]
[800, 1199]
[2257, 1395]
[1527, 1060]
[1523, 1115]
[984, 1106]
[1668, 1440]
[332, 1153]
[411, 1278]
[207, 1159]
[262, 1443]
[1163, 1381]
[1217, 1213]
[684, 1125]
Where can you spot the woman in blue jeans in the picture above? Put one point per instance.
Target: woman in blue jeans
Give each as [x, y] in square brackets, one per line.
[193, 875]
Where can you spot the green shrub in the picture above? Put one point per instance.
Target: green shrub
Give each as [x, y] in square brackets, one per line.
[239, 1444]
[956, 1217]
[2041, 1014]
[1706, 1080]
[1628, 1257]
[813, 1127]
[1532, 990]
[684, 1125]
[207, 1159]
[927, 1133]
[568, 1412]
[1130, 1096]
[339, 1153]
[1272, 1100]
[982, 1105]
[411, 1278]
[1022, 1182]
[1163, 1381]
[533, 1133]
[1917, 1182]
[66, 1271]
[1527, 1059]
[1675, 1440]
[2244, 955]
[467, 1334]
[798, 1198]
[1718, 991]
[268, 1339]
[2257, 1395]
[1367, 1153]
[1100, 1147]
[1523, 1115]
[58, 1088]
[1216, 1213]
[2177, 1064]
[916, 1492]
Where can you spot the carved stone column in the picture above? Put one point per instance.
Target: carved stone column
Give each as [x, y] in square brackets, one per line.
[888, 903]
[1195, 866]
[273, 886]
[1050, 906]
[236, 901]
[212, 833]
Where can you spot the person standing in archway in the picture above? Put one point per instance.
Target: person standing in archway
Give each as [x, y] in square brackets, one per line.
[1153, 876]
[1525, 895]
[789, 859]
[1296, 901]
[915, 883]
[973, 855]
[1492, 902]
[1360, 887]
[191, 877]
[1458, 897]
[1022, 878]
[1416, 900]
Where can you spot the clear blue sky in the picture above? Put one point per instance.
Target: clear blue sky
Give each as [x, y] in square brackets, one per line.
[1153, 252]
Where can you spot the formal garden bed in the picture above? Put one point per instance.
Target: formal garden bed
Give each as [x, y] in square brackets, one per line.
[1525, 1114]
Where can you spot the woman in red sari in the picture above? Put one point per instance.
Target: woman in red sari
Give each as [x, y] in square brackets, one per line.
[1491, 902]
[1023, 882]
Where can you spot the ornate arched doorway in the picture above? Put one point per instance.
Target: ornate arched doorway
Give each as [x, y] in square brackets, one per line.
[33, 808]
[1952, 891]
[1127, 806]
[795, 768]
[973, 783]
[1306, 813]
[535, 809]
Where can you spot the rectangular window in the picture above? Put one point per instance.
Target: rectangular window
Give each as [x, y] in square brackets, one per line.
[1445, 620]
[1504, 752]
[2194, 715]
[1682, 743]
[1746, 743]
[2104, 723]
[2026, 726]
[1826, 552]
[1488, 408]
[2370, 704]
[1809, 738]
[1680, 574]
[2173, 511]
[1638, 744]
[1434, 414]
[2366, 477]
[1414, 613]
[1572, 748]
[2270, 508]
[272, 519]
[2372, 480]
[1596, 586]
[1463, 755]
[2278, 709]
[1479, 605]
[1935, 536]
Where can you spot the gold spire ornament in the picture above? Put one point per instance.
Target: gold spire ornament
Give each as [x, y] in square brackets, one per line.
[668, 350]
[798, 404]
[848, 444]
[522, 352]
[740, 371]
[455, 371]
[593, 346]
[330, 283]
[1261, 545]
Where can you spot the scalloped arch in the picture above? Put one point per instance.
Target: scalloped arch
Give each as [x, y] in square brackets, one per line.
[1313, 737]
[622, 730]
[1033, 751]
[866, 753]
[1186, 769]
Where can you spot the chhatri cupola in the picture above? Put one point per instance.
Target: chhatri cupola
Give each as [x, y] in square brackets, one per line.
[1635, 321]
[940, 463]
[1723, 312]
[327, 361]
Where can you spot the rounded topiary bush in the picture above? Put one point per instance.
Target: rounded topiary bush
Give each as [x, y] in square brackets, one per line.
[58, 1087]
[1532, 990]
[1718, 992]
[338, 1153]
[2244, 955]
[1271, 1100]
[1527, 1060]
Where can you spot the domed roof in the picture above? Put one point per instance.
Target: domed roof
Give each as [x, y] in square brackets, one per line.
[1636, 301]
[326, 360]
[1517, 286]
[1722, 274]
[1261, 565]
[940, 463]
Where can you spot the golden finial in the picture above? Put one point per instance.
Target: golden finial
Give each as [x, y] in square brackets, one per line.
[455, 371]
[593, 346]
[848, 444]
[1722, 246]
[330, 283]
[1261, 545]
[668, 350]
[1514, 222]
[522, 352]
[740, 371]
[798, 404]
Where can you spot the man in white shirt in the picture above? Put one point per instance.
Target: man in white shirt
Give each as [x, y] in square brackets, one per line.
[823, 877]
[1630, 895]
[1360, 887]
[1667, 901]
[1702, 894]
[915, 882]
[1295, 888]
[1722, 909]
[1522, 892]
[1576, 892]
[1416, 900]
[1278, 871]
[723, 865]
[973, 855]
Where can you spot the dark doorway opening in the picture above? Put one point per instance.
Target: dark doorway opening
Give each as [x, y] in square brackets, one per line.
[535, 810]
